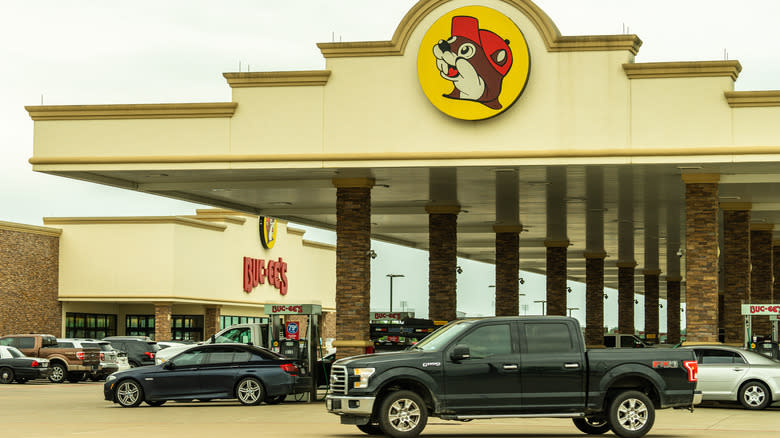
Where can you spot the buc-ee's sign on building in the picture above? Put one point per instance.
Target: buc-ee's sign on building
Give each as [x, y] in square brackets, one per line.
[473, 63]
[258, 271]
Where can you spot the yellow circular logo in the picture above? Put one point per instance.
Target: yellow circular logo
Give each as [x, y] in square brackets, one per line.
[473, 63]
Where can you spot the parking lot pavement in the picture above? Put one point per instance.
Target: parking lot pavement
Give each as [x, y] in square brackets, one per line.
[39, 409]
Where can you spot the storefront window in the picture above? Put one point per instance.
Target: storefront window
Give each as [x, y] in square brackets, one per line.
[89, 325]
[187, 327]
[226, 321]
[139, 325]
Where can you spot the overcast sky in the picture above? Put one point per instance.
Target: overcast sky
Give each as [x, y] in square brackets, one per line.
[61, 52]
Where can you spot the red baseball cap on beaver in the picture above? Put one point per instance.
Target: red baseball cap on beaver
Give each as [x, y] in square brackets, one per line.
[468, 27]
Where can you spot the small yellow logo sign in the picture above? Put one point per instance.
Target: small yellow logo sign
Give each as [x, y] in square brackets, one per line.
[473, 63]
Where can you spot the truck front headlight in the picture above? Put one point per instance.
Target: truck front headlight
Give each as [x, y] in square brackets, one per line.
[363, 374]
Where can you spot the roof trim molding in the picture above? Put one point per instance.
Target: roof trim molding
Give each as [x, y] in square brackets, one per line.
[685, 69]
[278, 78]
[143, 220]
[30, 229]
[750, 99]
[410, 156]
[133, 111]
[553, 40]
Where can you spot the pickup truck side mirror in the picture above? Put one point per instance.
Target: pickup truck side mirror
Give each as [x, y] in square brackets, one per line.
[460, 352]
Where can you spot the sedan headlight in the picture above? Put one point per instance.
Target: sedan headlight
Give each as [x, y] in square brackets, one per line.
[363, 374]
[110, 378]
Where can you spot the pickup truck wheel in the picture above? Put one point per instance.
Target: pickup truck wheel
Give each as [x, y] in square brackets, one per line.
[129, 393]
[754, 395]
[250, 391]
[6, 375]
[370, 429]
[402, 414]
[75, 377]
[592, 425]
[57, 373]
[631, 414]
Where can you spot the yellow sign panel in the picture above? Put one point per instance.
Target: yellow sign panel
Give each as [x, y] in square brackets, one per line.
[473, 63]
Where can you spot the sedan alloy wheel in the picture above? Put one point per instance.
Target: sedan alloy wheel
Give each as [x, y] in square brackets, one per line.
[754, 395]
[129, 393]
[250, 392]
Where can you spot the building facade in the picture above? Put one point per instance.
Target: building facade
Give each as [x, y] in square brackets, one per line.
[169, 278]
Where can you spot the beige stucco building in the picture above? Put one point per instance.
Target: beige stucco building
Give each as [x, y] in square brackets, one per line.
[177, 277]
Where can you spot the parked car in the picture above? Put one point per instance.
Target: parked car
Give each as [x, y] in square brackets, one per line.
[108, 356]
[216, 371]
[248, 333]
[64, 363]
[15, 366]
[140, 349]
[735, 374]
[166, 344]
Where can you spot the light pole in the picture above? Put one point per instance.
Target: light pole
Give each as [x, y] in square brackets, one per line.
[392, 276]
[570, 309]
[541, 301]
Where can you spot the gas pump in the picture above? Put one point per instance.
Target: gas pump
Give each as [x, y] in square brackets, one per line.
[760, 310]
[288, 340]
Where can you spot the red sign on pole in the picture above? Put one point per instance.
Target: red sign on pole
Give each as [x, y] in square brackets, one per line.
[292, 330]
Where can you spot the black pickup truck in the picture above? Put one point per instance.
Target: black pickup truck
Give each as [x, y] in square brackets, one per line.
[511, 367]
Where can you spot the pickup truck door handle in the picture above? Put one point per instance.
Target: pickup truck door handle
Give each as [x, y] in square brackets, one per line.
[736, 369]
[510, 367]
[571, 365]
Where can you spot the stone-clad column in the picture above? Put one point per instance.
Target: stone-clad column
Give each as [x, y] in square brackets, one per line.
[594, 299]
[626, 263]
[594, 256]
[701, 257]
[556, 276]
[673, 311]
[736, 269]
[626, 291]
[652, 293]
[442, 261]
[507, 229]
[353, 266]
[761, 273]
[211, 323]
[557, 242]
[162, 321]
[507, 269]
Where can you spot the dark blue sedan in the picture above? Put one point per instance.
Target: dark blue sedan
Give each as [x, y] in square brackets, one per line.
[214, 371]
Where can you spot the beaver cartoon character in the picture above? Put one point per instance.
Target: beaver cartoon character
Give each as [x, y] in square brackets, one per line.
[475, 61]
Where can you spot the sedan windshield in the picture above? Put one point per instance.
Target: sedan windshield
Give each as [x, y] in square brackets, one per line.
[442, 336]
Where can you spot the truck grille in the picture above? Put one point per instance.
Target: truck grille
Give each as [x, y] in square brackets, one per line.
[338, 380]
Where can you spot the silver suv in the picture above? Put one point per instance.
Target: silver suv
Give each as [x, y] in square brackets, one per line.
[109, 360]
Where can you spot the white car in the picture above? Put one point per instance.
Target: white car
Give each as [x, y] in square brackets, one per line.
[736, 374]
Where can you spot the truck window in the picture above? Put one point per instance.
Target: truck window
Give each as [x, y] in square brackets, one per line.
[609, 341]
[239, 334]
[25, 342]
[548, 338]
[627, 342]
[7, 341]
[489, 340]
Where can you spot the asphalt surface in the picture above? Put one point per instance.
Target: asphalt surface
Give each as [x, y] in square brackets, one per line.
[39, 409]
